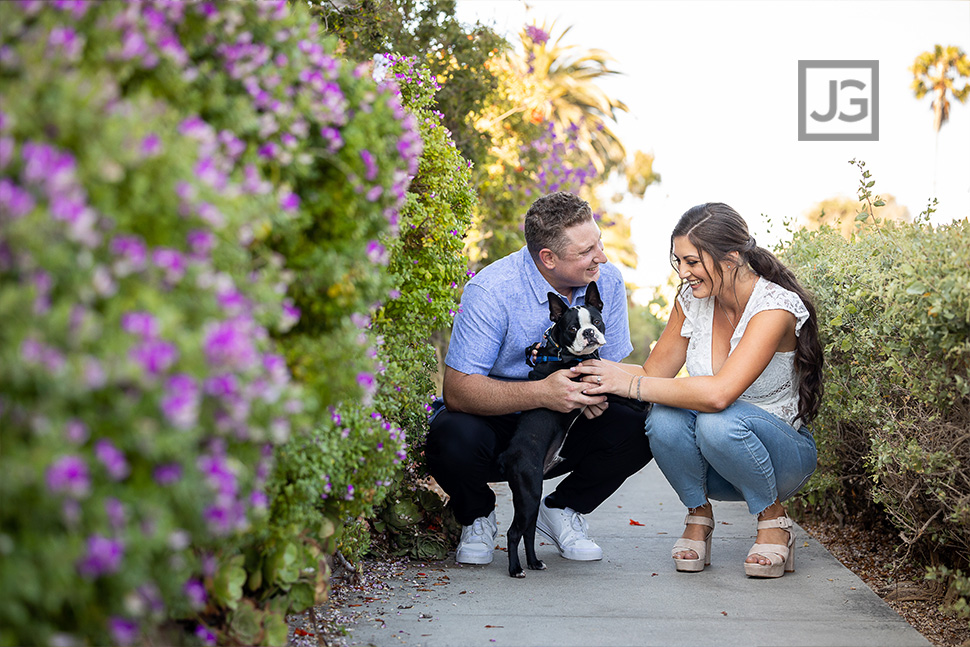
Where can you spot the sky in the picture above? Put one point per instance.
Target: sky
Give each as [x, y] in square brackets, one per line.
[712, 91]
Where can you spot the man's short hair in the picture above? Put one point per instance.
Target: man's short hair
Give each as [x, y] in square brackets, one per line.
[549, 217]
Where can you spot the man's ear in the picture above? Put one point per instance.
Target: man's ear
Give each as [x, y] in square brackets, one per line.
[592, 297]
[556, 307]
[548, 258]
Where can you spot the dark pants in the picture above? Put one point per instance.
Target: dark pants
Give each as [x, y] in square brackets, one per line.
[598, 455]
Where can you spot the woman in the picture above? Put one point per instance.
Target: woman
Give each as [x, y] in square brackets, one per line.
[736, 428]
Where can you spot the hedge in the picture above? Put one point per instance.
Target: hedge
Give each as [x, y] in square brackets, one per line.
[894, 313]
[192, 204]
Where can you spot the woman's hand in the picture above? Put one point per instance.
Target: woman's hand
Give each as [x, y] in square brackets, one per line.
[600, 378]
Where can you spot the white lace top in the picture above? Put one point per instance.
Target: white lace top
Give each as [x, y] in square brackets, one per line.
[776, 389]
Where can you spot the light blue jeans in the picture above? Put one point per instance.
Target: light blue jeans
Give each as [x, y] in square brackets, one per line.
[742, 453]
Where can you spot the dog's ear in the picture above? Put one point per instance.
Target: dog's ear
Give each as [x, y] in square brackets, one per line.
[556, 307]
[593, 296]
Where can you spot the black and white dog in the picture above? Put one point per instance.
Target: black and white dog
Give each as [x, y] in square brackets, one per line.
[576, 334]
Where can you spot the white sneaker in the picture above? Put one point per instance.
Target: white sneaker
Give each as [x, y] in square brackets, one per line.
[478, 541]
[568, 529]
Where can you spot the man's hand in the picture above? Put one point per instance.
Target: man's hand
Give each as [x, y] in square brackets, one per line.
[563, 395]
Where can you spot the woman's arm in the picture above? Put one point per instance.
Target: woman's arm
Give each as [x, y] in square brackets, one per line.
[665, 360]
[762, 337]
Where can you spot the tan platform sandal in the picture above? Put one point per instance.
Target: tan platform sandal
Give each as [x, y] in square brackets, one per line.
[702, 548]
[782, 558]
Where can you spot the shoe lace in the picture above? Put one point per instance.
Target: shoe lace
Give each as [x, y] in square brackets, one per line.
[578, 527]
[477, 531]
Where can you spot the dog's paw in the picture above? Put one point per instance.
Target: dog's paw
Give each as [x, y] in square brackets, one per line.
[539, 565]
[519, 574]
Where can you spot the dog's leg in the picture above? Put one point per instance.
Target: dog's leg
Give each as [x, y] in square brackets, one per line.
[515, 531]
[535, 494]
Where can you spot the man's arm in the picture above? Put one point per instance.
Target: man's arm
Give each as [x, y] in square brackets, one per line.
[484, 396]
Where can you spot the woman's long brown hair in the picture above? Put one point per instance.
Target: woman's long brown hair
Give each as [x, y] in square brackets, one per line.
[717, 230]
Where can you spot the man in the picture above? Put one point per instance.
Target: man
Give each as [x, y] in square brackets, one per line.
[504, 309]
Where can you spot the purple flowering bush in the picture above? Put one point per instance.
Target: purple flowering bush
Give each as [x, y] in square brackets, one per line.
[428, 267]
[192, 197]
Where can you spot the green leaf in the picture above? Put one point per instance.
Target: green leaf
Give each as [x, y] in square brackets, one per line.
[916, 288]
[228, 582]
[276, 630]
[301, 597]
[245, 624]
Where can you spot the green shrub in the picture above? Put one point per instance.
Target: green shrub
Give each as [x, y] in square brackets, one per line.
[182, 184]
[894, 314]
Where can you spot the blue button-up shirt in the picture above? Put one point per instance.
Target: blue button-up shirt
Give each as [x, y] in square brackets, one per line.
[505, 308]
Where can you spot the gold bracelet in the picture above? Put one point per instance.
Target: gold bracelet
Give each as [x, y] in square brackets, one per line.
[629, 392]
[638, 388]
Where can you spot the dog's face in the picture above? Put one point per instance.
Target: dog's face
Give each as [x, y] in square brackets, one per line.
[579, 329]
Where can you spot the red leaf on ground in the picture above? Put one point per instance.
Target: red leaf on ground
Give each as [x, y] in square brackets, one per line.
[635, 523]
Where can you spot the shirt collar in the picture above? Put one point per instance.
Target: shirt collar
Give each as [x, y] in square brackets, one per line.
[540, 286]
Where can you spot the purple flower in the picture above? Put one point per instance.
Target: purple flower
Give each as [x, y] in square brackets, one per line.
[76, 431]
[124, 631]
[6, 151]
[289, 202]
[334, 141]
[377, 253]
[259, 500]
[195, 592]
[151, 145]
[196, 128]
[115, 510]
[171, 261]
[112, 458]
[229, 344]
[225, 515]
[14, 201]
[206, 636]
[131, 253]
[66, 39]
[154, 355]
[180, 404]
[201, 242]
[209, 214]
[142, 324]
[94, 375]
[218, 474]
[253, 182]
[291, 315]
[103, 557]
[69, 474]
[221, 386]
[370, 165]
[168, 473]
[208, 171]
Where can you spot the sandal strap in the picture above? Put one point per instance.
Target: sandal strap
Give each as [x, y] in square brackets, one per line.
[785, 523]
[683, 545]
[768, 550]
[701, 521]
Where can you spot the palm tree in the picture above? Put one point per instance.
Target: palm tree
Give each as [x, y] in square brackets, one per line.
[936, 73]
[566, 78]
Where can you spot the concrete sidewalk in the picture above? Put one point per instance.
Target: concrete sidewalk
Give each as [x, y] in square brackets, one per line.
[633, 596]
